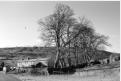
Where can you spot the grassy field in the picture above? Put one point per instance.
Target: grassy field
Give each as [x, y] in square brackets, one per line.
[5, 77]
[95, 75]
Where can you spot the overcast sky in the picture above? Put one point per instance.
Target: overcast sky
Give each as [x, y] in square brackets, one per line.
[19, 20]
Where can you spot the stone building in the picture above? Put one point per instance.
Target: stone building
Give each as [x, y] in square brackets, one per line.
[29, 62]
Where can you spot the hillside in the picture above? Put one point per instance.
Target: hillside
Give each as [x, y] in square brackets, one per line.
[16, 51]
[43, 52]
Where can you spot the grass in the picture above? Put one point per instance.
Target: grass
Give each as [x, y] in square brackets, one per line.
[94, 75]
[4, 77]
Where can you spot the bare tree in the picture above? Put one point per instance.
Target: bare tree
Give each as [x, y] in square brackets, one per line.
[56, 28]
[63, 31]
[87, 40]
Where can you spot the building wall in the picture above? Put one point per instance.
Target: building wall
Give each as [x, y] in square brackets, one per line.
[29, 62]
[110, 59]
[25, 63]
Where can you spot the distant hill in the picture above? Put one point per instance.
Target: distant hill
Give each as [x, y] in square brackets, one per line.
[31, 51]
[41, 51]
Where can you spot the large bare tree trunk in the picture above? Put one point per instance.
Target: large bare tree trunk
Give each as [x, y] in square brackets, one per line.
[68, 38]
[58, 55]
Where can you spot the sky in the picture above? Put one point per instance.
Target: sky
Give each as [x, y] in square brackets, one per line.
[19, 20]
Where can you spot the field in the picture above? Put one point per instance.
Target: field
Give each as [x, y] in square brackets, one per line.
[4, 77]
[94, 75]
